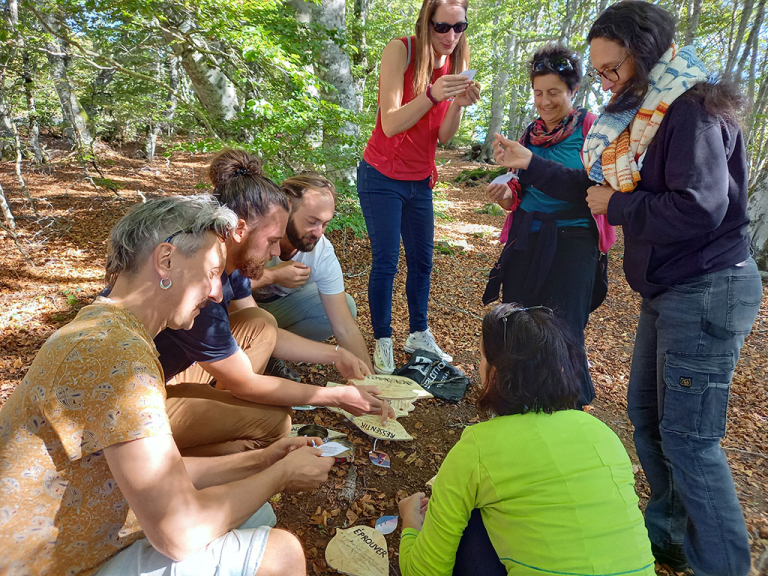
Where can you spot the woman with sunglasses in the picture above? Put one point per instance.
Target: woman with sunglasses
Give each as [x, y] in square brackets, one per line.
[539, 489]
[666, 161]
[551, 246]
[421, 98]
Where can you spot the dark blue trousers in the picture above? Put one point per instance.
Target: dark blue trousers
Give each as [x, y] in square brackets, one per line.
[395, 209]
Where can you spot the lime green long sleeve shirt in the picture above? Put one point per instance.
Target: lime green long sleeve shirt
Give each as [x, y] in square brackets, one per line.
[556, 494]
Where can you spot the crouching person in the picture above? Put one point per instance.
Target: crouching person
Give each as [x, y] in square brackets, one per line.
[92, 481]
[541, 488]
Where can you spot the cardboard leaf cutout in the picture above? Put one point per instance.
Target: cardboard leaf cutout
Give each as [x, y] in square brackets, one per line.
[394, 387]
[358, 551]
[371, 425]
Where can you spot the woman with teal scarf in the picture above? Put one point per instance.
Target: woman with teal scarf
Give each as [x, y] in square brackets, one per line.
[552, 247]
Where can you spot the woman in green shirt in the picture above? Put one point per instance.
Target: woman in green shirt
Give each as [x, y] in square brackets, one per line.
[551, 487]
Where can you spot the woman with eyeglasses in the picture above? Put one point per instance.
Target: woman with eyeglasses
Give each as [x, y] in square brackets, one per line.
[666, 161]
[540, 488]
[552, 247]
[421, 98]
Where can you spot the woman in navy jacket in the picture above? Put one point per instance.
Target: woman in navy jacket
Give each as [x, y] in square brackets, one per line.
[666, 161]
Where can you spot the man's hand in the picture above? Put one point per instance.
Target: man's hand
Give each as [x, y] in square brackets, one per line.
[290, 274]
[359, 400]
[350, 366]
[598, 198]
[509, 153]
[280, 449]
[413, 509]
[305, 469]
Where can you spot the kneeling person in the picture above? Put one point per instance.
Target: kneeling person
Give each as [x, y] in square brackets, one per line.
[303, 287]
[93, 481]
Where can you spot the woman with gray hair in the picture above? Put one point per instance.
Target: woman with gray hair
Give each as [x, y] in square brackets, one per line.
[90, 418]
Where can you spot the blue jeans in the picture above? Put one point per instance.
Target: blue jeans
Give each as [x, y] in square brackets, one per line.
[302, 312]
[687, 346]
[395, 208]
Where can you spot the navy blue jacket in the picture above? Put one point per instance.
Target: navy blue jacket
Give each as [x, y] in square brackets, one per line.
[688, 215]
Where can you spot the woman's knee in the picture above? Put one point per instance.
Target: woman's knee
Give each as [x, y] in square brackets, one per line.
[283, 555]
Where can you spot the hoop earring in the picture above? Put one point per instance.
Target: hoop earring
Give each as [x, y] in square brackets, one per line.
[165, 286]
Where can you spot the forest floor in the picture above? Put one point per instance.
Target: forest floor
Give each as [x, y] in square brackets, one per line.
[62, 270]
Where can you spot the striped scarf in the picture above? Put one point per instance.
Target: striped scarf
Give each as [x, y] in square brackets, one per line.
[617, 140]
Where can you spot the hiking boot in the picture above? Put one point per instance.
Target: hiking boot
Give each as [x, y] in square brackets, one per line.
[425, 341]
[276, 367]
[383, 361]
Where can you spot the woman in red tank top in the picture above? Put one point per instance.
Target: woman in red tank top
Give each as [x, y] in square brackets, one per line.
[421, 98]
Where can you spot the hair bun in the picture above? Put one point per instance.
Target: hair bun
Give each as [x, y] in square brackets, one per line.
[230, 164]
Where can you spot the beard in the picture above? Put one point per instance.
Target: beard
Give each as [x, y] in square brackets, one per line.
[301, 243]
[251, 269]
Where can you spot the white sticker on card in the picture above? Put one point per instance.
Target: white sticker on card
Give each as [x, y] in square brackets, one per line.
[504, 178]
[469, 74]
[332, 449]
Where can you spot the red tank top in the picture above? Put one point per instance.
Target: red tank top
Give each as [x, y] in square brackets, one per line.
[409, 155]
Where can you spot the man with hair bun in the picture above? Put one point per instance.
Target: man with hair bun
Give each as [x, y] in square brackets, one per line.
[303, 287]
[219, 401]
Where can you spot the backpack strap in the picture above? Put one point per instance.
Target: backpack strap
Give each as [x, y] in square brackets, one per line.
[408, 61]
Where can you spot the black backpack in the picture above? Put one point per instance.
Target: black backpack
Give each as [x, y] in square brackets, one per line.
[435, 375]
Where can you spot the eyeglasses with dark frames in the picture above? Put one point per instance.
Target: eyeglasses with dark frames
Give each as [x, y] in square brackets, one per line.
[612, 74]
[509, 313]
[558, 65]
[172, 236]
[444, 27]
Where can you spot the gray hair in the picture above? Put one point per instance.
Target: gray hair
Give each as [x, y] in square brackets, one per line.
[186, 218]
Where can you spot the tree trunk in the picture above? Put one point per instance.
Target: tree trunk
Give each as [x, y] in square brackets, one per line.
[334, 66]
[746, 13]
[172, 65]
[360, 59]
[6, 210]
[74, 115]
[215, 91]
[693, 22]
[29, 74]
[498, 96]
[752, 40]
[758, 225]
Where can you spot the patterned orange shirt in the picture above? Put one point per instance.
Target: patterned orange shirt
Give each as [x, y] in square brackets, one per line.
[95, 382]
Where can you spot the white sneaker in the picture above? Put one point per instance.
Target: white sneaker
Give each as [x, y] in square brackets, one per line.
[425, 341]
[383, 360]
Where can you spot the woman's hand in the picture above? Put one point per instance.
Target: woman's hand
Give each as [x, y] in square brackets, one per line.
[501, 194]
[598, 198]
[413, 509]
[450, 86]
[470, 95]
[511, 154]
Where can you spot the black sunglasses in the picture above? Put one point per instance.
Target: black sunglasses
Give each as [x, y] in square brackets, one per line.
[509, 313]
[558, 65]
[444, 27]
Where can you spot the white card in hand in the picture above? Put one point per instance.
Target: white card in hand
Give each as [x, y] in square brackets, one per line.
[504, 178]
[332, 449]
[469, 74]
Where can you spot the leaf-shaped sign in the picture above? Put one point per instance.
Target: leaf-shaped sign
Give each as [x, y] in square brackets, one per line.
[358, 551]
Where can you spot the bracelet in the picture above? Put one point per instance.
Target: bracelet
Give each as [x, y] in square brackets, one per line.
[335, 350]
[429, 95]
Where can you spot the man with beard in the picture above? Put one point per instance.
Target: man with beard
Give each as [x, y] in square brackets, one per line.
[231, 341]
[303, 287]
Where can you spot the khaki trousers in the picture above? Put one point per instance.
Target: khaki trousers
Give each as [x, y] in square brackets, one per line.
[211, 422]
